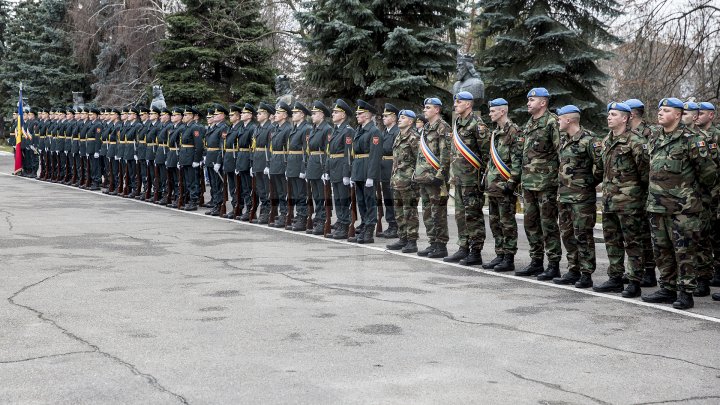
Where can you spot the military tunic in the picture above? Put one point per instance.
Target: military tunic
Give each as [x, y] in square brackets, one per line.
[366, 164]
[277, 165]
[296, 165]
[316, 158]
[339, 167]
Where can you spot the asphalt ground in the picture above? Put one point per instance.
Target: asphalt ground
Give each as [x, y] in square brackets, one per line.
[115, 301]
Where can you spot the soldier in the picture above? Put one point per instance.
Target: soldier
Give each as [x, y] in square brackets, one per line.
[278, 161]
[471, 148]
[366, 167]
[102, 149]
[539, 182]
[27, 143]
[40, 146]
[51, 144]
[82, 147]
[152, 128]
[405, 191]
[503, 175]
[432, 169]
[230, 152]
[190, 156]
[141, 151]
[420, 122]
[172, 158]
[130, 133]
[261, 159]
[214, 142]
[296, 166]
[339, 164]
[72, 145]
[680, 166]
[94, 143]
[68, 131]
[316, 158]
[705, 123]
[390, 118]
[579, 155]
[244, 162]
[113, 159]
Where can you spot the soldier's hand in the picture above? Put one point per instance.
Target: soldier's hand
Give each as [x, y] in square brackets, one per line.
[216, 167]
[509, 188]
[302, 176]
[204, 159]
[346, 181]
[437, 182]
[369, 183]
[325, 177]
[178, 166]
[195, 164]
[266, 171]
[96, 155]
[251, 173]
[135, 157]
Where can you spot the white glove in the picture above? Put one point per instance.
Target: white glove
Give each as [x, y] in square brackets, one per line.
[346, 181]
[117, 158]
[178, 165]
[96, 155]
[326, 177]
[135, 157]
[302, 176]
[66, 153]
[251, 173]
[148, 161]
[87, 155]
[204, 159]
[369, 183]
[216, 167]
[266, 171]
[352, 184]
[195, 164]
[237, 172]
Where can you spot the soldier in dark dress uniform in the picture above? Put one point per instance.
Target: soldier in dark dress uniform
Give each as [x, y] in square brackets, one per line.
[244, 161]
[261, 157]
[338, 167]
[278, 161]
[390, 118]
[316, 158]
[295, 170]
[214, 140]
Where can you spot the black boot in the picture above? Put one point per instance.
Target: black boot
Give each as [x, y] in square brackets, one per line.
[494, 262]
[473, 258]
[702, 289]
[279, 222]
[508, 264]
[299, 225]
[410, 247]
[613, 284]
[716, 297]
[533, 269]
[684, 300]
[571, 277]
[391, 232]
[397, 245]
[368, 236]
[341, 231]
[439, 252]
[715, 282]
[585, 281]
[649, 279]
[632, 290]
[457, 256]
[318, 229]
[661, 296]
[427, 250]
[245, 217]
[552, 271]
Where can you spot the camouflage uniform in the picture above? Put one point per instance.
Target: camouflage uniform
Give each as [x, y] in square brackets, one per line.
[405, 192]
[715, 133]
[624, 171]
[468, 181]
[680, 165]
[646, 132]
[541, 139]
[501, 205]
[579, 155]
[707, 244]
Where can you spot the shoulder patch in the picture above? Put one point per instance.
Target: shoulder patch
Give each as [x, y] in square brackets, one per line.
[348, 140]
[98, 130]
[376, 140]
[196, 133]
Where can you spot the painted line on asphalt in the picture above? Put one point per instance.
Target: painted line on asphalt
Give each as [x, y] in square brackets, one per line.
[405, 255]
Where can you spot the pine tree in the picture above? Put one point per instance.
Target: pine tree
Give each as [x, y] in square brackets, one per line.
[39, 54]
[381, 49]
[213, 53]
[547, 43]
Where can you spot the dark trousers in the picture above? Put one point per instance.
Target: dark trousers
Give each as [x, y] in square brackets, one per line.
[366, 203]
[132, 174]
[162, 179]
[280, 193]
[231, 188]
[341, 198]
[95, 174]
[318, 196]
[216, 187]
[174, 188]
[142, 166]
[388, 202]
[62, 166]
[191, 183]
[262, 187]
[298, 187]
[244, 181]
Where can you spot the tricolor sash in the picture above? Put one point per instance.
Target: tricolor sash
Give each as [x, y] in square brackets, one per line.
[464, 150]
[429, 155]
[497, 160]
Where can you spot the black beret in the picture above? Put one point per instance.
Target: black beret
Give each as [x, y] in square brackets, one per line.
[390, 109]
[364, 106]
[319, 106]
[301, 108]
[266, 107]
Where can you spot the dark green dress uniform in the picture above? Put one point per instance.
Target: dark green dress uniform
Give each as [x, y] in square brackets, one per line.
[244, 161]
[68, 130]
[261, 158]
[152, 128]
[230, 152]
[366, 164]
[214, 140]
[316, 158]
[82, 152]
[73, 132]
[296, 165]
[163, 134]
[388, 140]
[172, 159]
[94, 144]
[189, 158]
[339, 169]
[141, 153]
[278, 164]
[107, 127]
[113, 154]
[130, 133]
[50, 142]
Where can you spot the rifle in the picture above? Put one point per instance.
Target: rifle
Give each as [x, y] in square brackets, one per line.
[156, 183]
[254, 198]
[73, 169]
[138, 176]
[223, 209]
[201, 201]
[311, 206]
[110, 178]
[121, 177]
[273, 201]
[181, 189]
[353, 213]
[126, 189]
[290, 205]
[328, 209]
[380, 211]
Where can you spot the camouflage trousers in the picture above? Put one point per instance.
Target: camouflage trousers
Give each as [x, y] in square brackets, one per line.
[623, 234]
[704, 267]
[541, 224]
[406, 214]
[503, 225]
[648, 255]
[577, 221]
[675, 239]
[469, 217]
[434, 212]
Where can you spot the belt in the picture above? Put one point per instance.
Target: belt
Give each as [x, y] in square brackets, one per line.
[42, 137]
[387, 158]
[106, 142]
[279, 152]
[187, 146]
[294, 152]
[231, 150]
[336, 155]
[143, 142]
[260, 149]
[244, 150]
[152, 144]
[362, 155]
[84, 140]
[175, 149]
[317, 152]
[213, 149]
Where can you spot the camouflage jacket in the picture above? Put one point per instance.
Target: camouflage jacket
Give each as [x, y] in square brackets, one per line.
[437, 137]
[509, 149]
[579, 155]
[476, 136]
[541, 139]
[645, 130]
[680, 166]
[623, 168]
[405, 149]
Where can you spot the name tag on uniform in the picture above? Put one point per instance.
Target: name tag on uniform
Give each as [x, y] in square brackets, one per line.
[597, 145]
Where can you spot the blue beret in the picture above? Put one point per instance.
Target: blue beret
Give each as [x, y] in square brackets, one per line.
[568, 109]
[691, 106]
[464, 96]
[408, 113]
[707, 106]
[618, 106]
[671, 102]
[635, 103]
[497, 102]
[432, 101]
[538, 92]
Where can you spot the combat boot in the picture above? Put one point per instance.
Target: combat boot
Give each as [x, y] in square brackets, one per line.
[410, 247]
[552, 271]
[457, 256]
[585, 281]
[191, 207]
[174, 204]
[300, 224]
[716, 297]
[684, 300]
[474, 257]
[702, 289]
[508, 264]
[391, 232]
[397, 245]
[341, 232]
[613, 284]
[426, 251]
[368, 236]
[533, 269]
[494, 262]
[571, 277]
[661, 296]
[245, 217]
[649, 279]
[439, 252]
[715, 282]
[264, 219]
[318, 228]
[279, 222]
[632, 290]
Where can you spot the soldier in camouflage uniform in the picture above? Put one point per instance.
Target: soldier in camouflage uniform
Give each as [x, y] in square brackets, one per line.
[405, 191]
[680, 167]
[579, 154]
[705, 123]
[539, 181]
[431, 175]
[503, 175]
[471, 148]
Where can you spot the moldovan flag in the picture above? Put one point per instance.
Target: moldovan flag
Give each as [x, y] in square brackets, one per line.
[19, 134]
